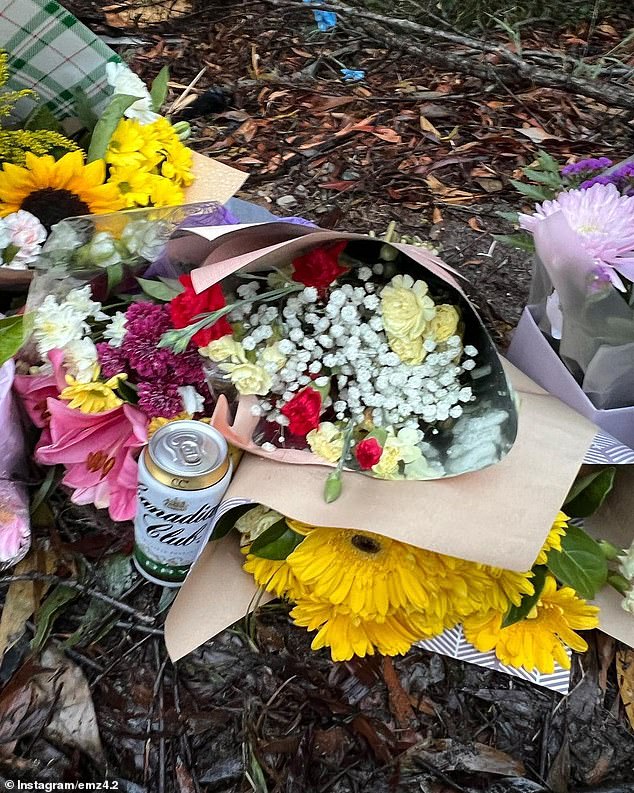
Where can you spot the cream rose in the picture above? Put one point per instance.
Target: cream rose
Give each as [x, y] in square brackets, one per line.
[248, 378]
[326, 441]
[406, 307]
[226, 347]
[444, 324]
[410, 351]
[256, 521]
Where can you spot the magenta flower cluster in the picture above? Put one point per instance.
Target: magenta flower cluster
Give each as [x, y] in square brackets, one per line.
[156, 372]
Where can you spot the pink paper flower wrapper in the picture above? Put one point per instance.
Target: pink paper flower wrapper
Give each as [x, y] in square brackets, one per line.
[15, 531]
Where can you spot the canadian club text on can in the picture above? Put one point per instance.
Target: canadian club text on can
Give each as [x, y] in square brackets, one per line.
[184, 472]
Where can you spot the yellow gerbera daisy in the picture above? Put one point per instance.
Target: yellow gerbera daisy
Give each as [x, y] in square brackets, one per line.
[553, 541]
[56, 189]
[347, 634]
[272, 575]
[539, 640]
[500, 588]
[372, 575]
[298, 527]
[93, 397]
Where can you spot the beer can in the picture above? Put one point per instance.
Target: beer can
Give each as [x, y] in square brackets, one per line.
[184, 472]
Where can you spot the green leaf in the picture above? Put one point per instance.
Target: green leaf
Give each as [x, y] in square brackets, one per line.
[512, 217]
[580, 564]
[547, 178]
[54, 474]
[13, 331]
[530, 190]
[226, 522]
[277, 542]
[48, 613]
[114, 275]
[173, 283]
[589, 492]
[167, 598]
[379, 435]
[517, 613]
[521, 241]
[107, 124]
[159, 290]
[546, 162]
[128, 392]
[41, 118]
[158, 91]
[84, 109]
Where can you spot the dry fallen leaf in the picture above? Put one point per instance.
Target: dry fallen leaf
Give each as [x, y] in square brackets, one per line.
[23, 597]
[536, 134]
[427, 126]
[625, 676]
[73, 722]
[448, 754]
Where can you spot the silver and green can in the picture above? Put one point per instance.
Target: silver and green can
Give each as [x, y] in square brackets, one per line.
[184, 472]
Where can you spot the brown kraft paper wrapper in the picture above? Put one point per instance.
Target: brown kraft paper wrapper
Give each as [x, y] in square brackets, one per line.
[500, 515]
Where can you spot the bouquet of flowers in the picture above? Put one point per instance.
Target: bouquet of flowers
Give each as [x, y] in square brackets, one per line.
[128, 157]
[582, 294]
[90, 374]
[363, 592]
[354, 356]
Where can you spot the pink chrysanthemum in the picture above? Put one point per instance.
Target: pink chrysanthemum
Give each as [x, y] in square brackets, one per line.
[159, 400]
[604, 221]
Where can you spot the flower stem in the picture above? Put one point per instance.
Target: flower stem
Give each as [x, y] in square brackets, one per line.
[178, 340]
[333, 486]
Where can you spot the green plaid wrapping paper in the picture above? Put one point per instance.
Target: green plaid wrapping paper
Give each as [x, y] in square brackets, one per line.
[51, 52]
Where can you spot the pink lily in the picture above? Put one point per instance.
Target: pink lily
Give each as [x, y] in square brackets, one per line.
[35, 389]
[98, 452]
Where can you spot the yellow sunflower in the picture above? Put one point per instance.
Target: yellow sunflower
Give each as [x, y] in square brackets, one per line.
[539, 640]
[93, 397]
[56, 189]
[553, 541]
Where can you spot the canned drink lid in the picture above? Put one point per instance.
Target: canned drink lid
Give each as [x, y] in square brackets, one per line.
[188, 449]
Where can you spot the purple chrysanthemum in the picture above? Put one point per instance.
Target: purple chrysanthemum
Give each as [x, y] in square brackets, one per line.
[586, 167]
[145, 358]
[111, 359]
[603, 219]
[187, 368]
[160, 400]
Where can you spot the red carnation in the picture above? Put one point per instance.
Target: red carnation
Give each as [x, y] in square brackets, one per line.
[184, 307]
[368, 453]
[303, 411]
[319, 268]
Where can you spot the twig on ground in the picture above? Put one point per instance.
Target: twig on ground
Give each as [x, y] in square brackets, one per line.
[86, 590]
